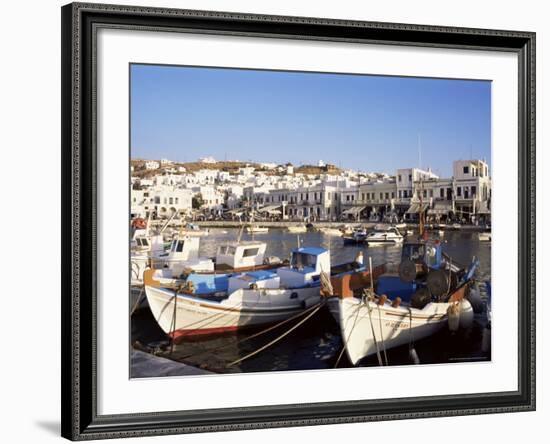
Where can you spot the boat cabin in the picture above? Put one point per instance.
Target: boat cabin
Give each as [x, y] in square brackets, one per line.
[240, 255]
[184, 248]
[428, 253]
[306, 265]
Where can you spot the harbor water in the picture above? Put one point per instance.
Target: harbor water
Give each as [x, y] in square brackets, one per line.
[317, 343]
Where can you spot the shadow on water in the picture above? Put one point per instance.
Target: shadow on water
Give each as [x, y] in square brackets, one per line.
[317, 343]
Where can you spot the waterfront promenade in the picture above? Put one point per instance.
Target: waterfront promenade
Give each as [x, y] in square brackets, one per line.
[321, 224]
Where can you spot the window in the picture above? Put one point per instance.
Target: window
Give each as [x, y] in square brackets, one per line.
[347, 197]
[362, 196]
[387, 196]
[459, 191]
[302, 260]
[352, 197]
[424, 193]
[393, 194]
[171, 201]
[249, 252]
[466, 169]
[381, 194]
[410, 177]
[399, 194]
[473, 191]
[177, 200]
[442, 192]
[431, 193]
[466, 194]
[399, 178]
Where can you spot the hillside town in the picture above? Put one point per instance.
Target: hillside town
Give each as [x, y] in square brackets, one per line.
[232, 190]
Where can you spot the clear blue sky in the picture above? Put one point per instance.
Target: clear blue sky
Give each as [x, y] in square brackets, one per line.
[369, 123]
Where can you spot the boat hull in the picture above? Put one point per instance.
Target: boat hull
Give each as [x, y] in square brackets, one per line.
[385, 327]
[243, 308]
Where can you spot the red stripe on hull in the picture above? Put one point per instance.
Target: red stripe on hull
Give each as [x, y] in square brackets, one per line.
[203, 331]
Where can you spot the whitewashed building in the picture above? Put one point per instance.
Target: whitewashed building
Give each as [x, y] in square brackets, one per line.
[152, 165]
[162, 201]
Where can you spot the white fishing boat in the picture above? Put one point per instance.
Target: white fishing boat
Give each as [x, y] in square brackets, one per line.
[370, 325]
[429, 293]
[389, 235]
[238, 300]
[297, 228]
[331, 231]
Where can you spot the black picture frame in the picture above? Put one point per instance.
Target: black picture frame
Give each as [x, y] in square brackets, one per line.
[80, 420]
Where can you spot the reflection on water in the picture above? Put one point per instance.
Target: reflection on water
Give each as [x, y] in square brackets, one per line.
[317, 343]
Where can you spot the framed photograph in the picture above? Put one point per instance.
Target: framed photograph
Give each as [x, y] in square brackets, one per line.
[278, 221]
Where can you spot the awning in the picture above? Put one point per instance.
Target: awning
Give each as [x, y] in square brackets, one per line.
[353, 211]
[441, 208]
[415, 208]
[270, 209]
[236, 212]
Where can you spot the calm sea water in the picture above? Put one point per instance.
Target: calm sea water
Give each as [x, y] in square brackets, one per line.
[317, 343]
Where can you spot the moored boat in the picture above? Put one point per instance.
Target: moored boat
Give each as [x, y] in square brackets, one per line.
[239, 300]
[429, 292]
[358, 236]
[297, 228]
[389, 235]
[484, 237]
[256, 229]
[330, 231]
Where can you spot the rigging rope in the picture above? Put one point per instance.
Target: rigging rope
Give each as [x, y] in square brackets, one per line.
[255, 335]
[382, 335]
[269, 344]
[349, 336]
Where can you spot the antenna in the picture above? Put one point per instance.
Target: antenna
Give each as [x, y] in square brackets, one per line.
[419, 152]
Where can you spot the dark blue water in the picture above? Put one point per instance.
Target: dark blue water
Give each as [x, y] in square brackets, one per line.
[317, 343]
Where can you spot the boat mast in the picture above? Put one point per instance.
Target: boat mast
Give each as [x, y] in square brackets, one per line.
[420, 209]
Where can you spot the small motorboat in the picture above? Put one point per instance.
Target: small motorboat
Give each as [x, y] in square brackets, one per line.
[330, 231]
[389, 235]
[358, 236]
[256, 229]
[484, 237]
[297, 228]
[193, 230]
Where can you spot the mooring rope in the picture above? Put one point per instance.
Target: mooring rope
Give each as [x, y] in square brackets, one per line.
[255, 335]
[269, 344]
[174, 314]
[358, 308]
[382, 335]
[136, 304]
[374, 335]
[411, 338]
